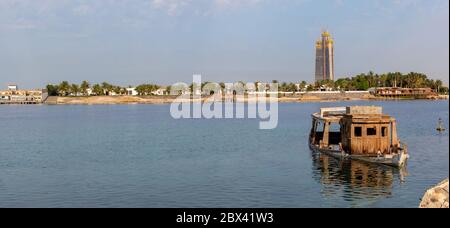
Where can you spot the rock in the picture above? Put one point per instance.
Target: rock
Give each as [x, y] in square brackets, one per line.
[436, 197]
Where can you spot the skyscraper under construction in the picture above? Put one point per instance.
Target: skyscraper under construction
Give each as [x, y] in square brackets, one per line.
[325, 57]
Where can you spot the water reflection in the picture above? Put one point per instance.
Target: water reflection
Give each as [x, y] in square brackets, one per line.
[354, 181]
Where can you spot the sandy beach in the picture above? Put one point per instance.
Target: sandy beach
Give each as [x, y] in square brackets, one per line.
[304, 98]
[94, 100]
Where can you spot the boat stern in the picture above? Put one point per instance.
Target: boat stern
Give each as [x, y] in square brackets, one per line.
[402, 157]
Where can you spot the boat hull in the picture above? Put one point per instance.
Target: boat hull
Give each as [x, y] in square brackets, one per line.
[396, 160]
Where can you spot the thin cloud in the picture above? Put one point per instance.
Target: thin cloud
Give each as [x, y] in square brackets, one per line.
[83, 10]
[226, 4]
[173, 7]
[20, 24]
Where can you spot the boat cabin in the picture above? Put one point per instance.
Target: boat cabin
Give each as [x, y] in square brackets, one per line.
[356, 130]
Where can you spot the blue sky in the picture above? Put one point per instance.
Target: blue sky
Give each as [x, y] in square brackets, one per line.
[128, 42]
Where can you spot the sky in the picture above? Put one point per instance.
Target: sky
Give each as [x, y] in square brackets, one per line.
[129, 42]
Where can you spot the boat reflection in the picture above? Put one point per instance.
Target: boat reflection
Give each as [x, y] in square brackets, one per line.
[355, 180]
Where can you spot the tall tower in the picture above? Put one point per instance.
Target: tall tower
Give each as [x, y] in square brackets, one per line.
[325, 58]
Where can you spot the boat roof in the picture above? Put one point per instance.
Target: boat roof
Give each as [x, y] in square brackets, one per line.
[333, 114]
[364, 113]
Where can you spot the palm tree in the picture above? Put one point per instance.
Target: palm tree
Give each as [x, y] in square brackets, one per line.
[74, 89]
[117, 90]
[383, 79]
[283, 87]
[292, 87]
[98, 90]
[438, 84]
[303, 84]
[146, 89]
[84, 87]
[53, 90]
[107, 88]
[64, 88]
[124, 91]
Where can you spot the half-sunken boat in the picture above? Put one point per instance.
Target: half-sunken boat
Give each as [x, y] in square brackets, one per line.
[359, 132]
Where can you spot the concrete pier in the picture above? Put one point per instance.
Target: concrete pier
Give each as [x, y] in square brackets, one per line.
[18, 102]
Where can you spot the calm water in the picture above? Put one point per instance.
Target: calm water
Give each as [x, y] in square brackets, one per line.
[138, 156]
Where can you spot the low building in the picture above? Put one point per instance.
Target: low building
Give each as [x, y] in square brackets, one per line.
[131, 91]
[161, 91]
[15, 96]
[394, 92]
[89, 92]
[13, 87]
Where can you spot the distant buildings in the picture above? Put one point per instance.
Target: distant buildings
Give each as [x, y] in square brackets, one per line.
[13, 87]
[161, 91]
[325, 58]
[131, 91]
[394, 92]
[15, 96]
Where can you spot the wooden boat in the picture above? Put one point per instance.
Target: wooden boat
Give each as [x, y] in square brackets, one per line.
[361, 133]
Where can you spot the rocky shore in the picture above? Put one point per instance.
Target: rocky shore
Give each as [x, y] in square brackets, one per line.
[436, 197]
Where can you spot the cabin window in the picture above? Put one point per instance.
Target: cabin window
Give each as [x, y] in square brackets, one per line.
[384, 131]
[371, 131]
[335, 127]
[358, 131]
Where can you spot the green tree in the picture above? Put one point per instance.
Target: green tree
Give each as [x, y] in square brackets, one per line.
[283, 87]
[360, 82]
[383, 80]
[64, 88]
[52, 90]
[107, 88]
[98, 90]
[169, 89]
[117, 90]
[146, 89]
[84, 87]
[74, 89]
[443, 90]
[343, 84]
[124, 91]
[438, 84]
[303, 85]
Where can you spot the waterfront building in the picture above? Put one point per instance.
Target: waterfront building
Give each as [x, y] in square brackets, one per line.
[13, 87]
[325, 58]
[394, 92]
[131, 91]
[89, 92]
[15, 96]
[161, 91]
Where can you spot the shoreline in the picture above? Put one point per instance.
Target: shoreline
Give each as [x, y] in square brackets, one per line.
[111, 100]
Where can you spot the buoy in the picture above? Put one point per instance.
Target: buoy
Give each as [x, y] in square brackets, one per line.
[440, 127]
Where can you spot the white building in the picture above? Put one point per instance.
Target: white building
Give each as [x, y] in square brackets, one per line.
[132, 91]
[13, 87]
[13, 95]
[161, 91]
[89, 92]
